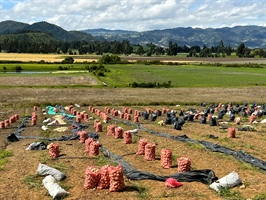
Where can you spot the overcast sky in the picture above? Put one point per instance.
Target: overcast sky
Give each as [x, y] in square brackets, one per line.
[136, 15]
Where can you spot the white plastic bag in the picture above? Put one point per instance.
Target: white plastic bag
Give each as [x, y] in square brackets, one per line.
[53, 188]
[229, 180]
[45, 170]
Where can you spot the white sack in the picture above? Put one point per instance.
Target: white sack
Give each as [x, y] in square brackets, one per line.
[229, 180]
[53, 188]
[263, 121]
[133, 131]
[45, 170]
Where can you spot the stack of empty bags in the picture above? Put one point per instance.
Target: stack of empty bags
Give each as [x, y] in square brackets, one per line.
[50, 181]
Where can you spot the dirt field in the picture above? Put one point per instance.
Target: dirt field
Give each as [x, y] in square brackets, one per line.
[73, 161]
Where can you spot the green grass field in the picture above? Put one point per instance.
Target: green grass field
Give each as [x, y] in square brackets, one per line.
[188, 75]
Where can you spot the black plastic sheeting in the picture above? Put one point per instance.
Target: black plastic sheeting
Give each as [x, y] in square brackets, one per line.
[205, 176]
[240, 155]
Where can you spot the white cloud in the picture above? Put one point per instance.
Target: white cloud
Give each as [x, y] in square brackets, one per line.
[136, 15]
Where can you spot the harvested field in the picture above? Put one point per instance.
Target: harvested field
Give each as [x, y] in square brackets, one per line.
[63, 80]
[89, 58]
[73, 161]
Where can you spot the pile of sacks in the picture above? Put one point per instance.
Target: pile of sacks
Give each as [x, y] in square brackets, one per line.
[105, 177]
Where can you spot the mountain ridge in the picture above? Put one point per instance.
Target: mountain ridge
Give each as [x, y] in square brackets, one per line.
[253, 36]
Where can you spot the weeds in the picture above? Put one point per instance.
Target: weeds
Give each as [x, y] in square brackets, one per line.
[143, 192]
[260, 197]
[33, 181]
[229, 194]
[3, 157]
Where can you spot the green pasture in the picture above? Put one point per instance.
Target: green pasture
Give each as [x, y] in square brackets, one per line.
[185, 75]
[121, 75]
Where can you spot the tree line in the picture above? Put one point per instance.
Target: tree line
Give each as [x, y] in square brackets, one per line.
[125, 48]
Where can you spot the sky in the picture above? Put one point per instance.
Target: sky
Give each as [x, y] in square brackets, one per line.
[136, 15]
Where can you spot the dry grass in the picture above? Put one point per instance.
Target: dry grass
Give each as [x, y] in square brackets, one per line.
[130, 96]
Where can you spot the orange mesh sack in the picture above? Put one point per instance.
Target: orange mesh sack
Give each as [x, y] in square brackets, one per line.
[141, 146]
[92, 176]
[150, 151]
[94, 148]
[53, 150]
[127, 137]
[116, 179]
[184, 164]
[104, 181]
[99, 127]
[82, 136]
[110, 130]
[87, 144]
[166, 158]
[231, 132]
[119, 132]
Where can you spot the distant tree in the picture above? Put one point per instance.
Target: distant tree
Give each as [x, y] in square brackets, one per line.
[228, 50]
[240, 51]
[70, 52]
[140, 50]
[68, 60]
[107, 59]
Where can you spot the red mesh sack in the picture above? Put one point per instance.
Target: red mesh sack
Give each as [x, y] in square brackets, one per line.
[83, 135]
[17, 116]
[141, 146]
[252, 118]
[136, 119]
[231, 132]
[127, 137]
[111, 130]
[92, 176]
[53, 150]
[184, 164]
[99, 127]
[172, 183]
[2, 124]
[128, 117]
[78, 119]
[87, 144]
[119, 132]
[12, 119]
[7, 123]
[94, 148]
[166, 158]
[104, 181]
[33, 121]
[86, 117]
[95, 122]
[116, 178]
[150, 151]
[121, 116]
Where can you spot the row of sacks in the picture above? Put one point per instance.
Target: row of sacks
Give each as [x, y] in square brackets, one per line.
[148, 149]
[7, 122]
[91, 145]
